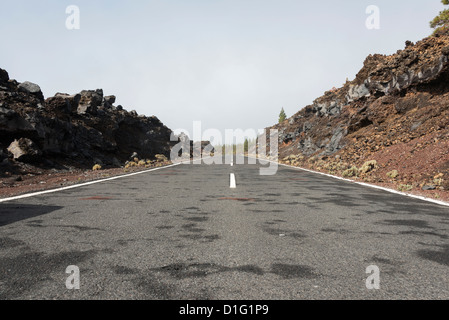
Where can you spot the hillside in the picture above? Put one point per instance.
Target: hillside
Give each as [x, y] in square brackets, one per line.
[388, 126]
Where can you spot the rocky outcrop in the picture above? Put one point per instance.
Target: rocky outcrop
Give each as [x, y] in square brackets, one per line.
[89, 102]
[24, 150]
[77, 129]
[394, 102]
[31, 88]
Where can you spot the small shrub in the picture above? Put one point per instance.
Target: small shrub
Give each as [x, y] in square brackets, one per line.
[352, 172]
[341, 166]
[439, 176]
[405, 187]
[141, 163]
[161, 158]
[130, 164]
[312, 159]
[368, 166]
[393, 174]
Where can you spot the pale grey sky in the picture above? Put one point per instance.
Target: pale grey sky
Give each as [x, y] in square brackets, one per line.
[227, 63]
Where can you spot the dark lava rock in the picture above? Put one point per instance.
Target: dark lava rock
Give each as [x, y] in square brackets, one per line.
[74, 129]
[32, 88]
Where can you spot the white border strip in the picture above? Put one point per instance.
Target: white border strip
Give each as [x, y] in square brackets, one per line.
[442, 203]
[85, 183]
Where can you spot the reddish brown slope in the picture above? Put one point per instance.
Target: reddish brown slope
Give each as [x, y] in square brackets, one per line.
[395, 113]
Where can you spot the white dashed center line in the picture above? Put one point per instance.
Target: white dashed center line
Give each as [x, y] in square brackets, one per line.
[233, 183]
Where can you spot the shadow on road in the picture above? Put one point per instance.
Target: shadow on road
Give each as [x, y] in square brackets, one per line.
[10, 213]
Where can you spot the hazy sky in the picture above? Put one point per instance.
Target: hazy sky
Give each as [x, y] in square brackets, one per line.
[227, 63]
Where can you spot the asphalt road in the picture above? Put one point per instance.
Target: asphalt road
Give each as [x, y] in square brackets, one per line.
[182, 233]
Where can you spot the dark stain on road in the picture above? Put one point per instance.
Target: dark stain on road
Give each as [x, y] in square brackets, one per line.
[80, 228]
[198, 212]
[197, 219]
[7, 243]
[76, 227]
[122, 270]
[164, 227]
[192, 227]
[23, 273]
[379, 234]
[407, 223]
[421, 233]
[201, 270]
[258, 211]
[377, 259]
[192, 208]
[332, 230]
[237, 199]
[153, 288]
[123, 242]
[98, 198]
[248, 203]
[210, 238]
[290, 271]
[35, 225]
[441, 257]
[342, 201]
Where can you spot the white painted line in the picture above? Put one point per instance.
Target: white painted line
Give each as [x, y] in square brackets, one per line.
[233, 183]
[442, 203]
[85, 184]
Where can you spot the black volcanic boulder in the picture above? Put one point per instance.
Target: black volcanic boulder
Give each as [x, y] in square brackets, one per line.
[4, 77]
[13, 124]
[62, 105]
[72, 100]
[108, 101]
[24, 150]
[145, 135]
[31, 88]
[90, 101]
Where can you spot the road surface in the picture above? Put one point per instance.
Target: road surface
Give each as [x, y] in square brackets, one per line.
[183, 233]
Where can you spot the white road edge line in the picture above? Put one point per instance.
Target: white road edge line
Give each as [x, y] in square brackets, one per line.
[233, 184]
[28, 195]
[442, 203]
